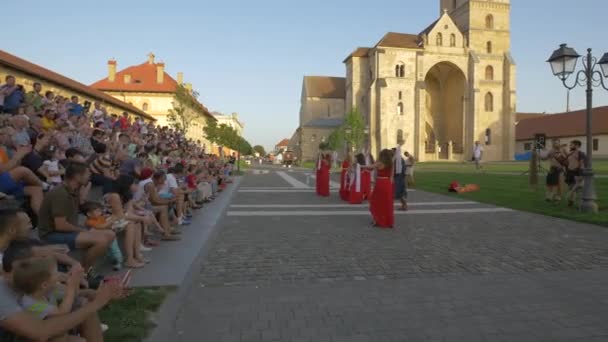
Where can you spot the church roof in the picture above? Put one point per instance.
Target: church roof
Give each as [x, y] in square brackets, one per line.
[359, 52]
[571, 124]
[325, 87]
[35, 70]
[143, 79]
[429, 28]
[400, 40]
[283, 142]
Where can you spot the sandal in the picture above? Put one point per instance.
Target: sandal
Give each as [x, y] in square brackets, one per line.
[134, 265]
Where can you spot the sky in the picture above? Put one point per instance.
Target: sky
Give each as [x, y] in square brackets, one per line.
[250, 57]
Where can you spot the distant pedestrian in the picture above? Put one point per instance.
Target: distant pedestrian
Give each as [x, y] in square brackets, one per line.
[409, 169]
[381, 200]
[477, 155]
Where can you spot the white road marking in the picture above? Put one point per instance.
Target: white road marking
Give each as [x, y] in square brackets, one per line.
[260, 172]
[365, 213]
[288, 206]
[332, 184]
[293, 190]
[296, 184]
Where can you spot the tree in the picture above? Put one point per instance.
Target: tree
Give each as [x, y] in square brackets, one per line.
[186, 109]
[259, 149]
[351, 132]
[224, 135]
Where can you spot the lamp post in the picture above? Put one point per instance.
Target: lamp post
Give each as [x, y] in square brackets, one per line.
[563, 63]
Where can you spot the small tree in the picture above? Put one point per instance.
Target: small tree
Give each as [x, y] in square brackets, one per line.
[354, 129]
[185, 109]
[259, 149]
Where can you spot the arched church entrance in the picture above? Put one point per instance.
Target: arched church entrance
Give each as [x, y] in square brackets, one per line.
[445, 90]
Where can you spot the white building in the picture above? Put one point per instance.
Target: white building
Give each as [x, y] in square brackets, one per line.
[230, 120]
[566, 127]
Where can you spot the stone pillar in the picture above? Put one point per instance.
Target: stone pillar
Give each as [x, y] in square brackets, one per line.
[450, 148]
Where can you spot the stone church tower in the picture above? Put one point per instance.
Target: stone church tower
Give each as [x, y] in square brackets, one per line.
[439, 91]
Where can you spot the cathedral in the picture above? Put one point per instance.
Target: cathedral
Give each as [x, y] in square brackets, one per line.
[439, 91]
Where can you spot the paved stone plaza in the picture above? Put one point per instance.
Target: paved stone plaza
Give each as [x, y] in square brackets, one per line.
[288, 266]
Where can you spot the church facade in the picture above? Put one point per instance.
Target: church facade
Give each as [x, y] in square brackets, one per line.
[439, 91]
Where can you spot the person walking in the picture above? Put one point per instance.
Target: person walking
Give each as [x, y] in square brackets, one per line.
[323, 178]
[477, 154]
[409, 169]
[399, 183]
[381, 200]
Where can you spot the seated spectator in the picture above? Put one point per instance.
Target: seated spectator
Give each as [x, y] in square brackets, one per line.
[34, 97]
[48, 122]
[51, 168]
[21, 136]
[148, 188]
[75, 108]
[58, 217]
[171, 190]
[17, 322]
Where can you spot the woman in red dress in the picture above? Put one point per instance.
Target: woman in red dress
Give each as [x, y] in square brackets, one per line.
[344, 178]
[318, 172]
[366, 176]
[355, 195]
[381, 200]
[323, 177]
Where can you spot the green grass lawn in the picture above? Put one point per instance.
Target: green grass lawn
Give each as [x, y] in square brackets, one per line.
[600, 166]
[512, 192]
[129, 319]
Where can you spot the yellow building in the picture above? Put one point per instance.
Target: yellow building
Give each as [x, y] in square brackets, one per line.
[27, 73]
[440, 90]
[149, 87]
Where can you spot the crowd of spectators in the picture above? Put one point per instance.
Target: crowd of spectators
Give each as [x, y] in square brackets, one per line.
[79, 188]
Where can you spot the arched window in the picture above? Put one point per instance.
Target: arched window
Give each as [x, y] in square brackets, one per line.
[400, 70]
[399, 136]
[452, 40]
[489, 73]
[144, 107]
[439, 39]
[400, 95]
[400, 108]
[489, 102]
[488, 136]
[489, 47]
[490, 22]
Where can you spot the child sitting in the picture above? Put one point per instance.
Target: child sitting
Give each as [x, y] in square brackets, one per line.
[96, 220]
[51, 168]
[38, 280]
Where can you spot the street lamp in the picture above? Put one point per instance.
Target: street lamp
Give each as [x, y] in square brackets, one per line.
[563, 63]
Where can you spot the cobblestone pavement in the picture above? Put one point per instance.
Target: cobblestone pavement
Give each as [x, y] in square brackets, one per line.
[281, 270]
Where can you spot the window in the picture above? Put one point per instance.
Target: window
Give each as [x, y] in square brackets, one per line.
[454, 4]
[527, 146]
[400, 70]
[489, 102]
[144, 107]
[488, 136]
[400, 108]
[400, 95]
[399, 136]
[489, 73]
[313, 138]
[489, 22]
[328, 111]
[596, 144]
[489, 47]
[439, 39]
[452, 40]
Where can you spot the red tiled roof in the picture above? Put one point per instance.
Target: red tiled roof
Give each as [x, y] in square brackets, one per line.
[526, 116]
[284, 142]
[360, 52]
[400, 40]
[325, 87]
[143, 78]
[570, 124]
[37, 71]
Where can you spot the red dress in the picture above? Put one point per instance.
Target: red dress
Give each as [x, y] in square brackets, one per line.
[366, 183]
[381, 200]
[323, 179]
[354, 196]
[344, 180]
[318, 174]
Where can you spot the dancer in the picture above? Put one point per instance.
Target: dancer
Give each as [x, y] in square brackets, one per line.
[355, 195]
[344, 178]
[366, 176]
[399, 183]
[381, 200]
[323, 178]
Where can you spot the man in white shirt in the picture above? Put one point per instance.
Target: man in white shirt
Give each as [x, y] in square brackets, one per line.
[171, 189]
[477, 154]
